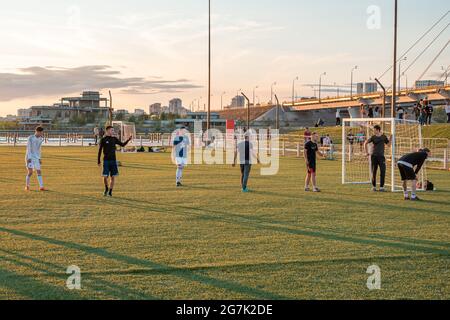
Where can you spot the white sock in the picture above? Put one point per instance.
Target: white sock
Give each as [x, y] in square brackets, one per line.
[413, 195]
[41, 181]
[179, 174]
[27, 179]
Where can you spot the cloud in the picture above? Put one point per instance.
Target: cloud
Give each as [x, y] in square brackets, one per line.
[49, 81]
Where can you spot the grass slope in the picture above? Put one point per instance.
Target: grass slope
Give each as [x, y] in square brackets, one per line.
[208, 240]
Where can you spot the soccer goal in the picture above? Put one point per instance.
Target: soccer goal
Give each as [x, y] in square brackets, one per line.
[123, 130]
[405, 137]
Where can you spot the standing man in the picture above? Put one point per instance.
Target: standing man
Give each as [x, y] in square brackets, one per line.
[33, 159]
[377, 158]
[406, 166]
[246, 155]
[96, 133]
[307, 135]
[180, 152]
[338, 117]
[447, 111]
[309, 152]
[429, 112]
[108, 146]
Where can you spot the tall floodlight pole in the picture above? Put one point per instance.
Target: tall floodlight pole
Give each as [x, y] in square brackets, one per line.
[394, 73]
[320, 85]
[293, 90]
[351, 81]
[208, 121]
[271, 92]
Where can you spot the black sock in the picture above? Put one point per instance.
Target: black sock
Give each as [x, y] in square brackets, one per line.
[110, 192]
[106, 189]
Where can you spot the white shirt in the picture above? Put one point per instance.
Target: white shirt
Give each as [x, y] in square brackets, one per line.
[447, 108]
[34, 148]
[338, 114]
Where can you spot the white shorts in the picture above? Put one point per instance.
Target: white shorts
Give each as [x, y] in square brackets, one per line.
[34, 164]
[181, 161]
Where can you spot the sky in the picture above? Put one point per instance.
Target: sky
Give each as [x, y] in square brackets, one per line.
[148, 51]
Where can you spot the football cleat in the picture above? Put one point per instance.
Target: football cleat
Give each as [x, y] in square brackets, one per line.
[27, 188]
[43, 189]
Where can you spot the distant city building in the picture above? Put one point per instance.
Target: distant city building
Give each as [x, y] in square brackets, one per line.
[121, 111]
[238, 102]
[155, 109]
[139, 112]
[366, 87]
[174, 105]
[191, 117]
[428, 83]
[89, 105]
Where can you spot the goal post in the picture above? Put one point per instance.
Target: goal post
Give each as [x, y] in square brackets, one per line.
[405, 137]
[124, 130]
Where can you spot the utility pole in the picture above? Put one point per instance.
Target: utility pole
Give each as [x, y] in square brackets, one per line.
[394, 73]
[271, 92]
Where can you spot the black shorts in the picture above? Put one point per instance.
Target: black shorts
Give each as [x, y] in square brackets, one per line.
[406, 173]
[312, 168]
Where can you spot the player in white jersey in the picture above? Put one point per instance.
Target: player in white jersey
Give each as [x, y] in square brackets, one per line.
[33, 158]
[180, 152]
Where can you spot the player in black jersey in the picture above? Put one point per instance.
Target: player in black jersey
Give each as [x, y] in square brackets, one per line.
[110, 169]
[409, 166]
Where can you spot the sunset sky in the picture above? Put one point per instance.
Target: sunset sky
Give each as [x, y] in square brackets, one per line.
[149, 51]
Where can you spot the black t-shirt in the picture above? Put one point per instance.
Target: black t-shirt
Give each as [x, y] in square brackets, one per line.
[311, 150]
[108, 146]
[378, 143]
[416, 159]
[245, 149]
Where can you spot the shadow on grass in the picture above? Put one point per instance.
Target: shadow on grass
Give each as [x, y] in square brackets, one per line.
[429, 246]
[94, 283]
[28, 287]
[183, 273]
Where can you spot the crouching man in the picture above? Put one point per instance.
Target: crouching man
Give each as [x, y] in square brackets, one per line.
[409, 166]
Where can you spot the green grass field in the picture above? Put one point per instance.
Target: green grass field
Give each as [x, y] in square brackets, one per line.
[210, 241]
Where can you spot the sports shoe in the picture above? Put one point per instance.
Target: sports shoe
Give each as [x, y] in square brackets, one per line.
[415, 199]
[406, 198]
[316, 190]
[179, 184]
[374, 189]
[43, 189]
[27, 188]
[307, 190]
[246, 190]
[105, 194]
[382, 190]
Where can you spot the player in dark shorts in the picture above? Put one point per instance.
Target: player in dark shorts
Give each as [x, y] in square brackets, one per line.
[310, 151]
[110, 169]
[409, 166]
[377, 158]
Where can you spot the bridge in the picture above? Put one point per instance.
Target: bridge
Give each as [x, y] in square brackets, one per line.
[406, 98]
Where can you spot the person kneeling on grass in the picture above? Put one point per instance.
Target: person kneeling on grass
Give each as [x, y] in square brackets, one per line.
[310, 151]
[246, 154]
[406, 165]
[110, 169]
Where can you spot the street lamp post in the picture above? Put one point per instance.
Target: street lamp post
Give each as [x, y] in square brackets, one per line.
[254, 89]
[351, 81]
[271, 92]
[400, 74]
[293, 90]
[221, 100]
[198, 103]
[320, 85]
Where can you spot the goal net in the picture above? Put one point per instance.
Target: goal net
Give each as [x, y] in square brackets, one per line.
[405, 137]
[123, 131]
